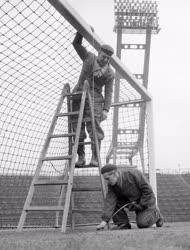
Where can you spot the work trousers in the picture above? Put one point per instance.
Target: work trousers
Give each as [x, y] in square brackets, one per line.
[144, 219]
[98, 108]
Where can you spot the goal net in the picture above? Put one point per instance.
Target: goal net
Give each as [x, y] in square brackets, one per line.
[37, 60]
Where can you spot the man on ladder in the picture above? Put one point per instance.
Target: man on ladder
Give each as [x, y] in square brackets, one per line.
[95, 74]
[97, 70]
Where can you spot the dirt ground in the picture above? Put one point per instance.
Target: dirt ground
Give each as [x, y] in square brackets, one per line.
[173, 236]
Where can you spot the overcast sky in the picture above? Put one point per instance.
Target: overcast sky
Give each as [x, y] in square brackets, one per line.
[168, 76]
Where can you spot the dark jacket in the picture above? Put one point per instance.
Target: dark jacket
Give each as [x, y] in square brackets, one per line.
[96, 84]
[131, 186]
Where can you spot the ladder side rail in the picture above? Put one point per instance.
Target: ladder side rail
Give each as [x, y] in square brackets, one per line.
[70, 130]
[74, 155]
[67, 165]
[40, 161]
[96, 141]
[71, 140]
[72, 213]
[109, 153]
[62, 191]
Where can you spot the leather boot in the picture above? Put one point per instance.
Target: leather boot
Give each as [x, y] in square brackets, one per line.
[81, 157]
[94, 159]
[160, 221]
[81, 161]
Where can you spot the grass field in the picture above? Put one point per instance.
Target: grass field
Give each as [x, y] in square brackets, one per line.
[173, 236]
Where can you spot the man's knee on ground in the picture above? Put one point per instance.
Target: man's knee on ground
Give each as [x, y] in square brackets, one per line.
[145, 221]
[143, 225]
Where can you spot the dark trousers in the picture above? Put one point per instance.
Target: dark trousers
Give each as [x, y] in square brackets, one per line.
[121, 217]
[97, 113]
[144, 219]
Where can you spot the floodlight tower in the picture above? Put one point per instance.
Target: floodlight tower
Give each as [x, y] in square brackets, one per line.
[134, 18]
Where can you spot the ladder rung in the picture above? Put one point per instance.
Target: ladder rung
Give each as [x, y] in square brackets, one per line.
[126, 156]
[45, 208]
[127, 146]
[80, 189]
[58, 158]
[86, 166]
[127, 151]
[86, 210]
[62, 135]
[68, 113]
[125, 166]
[87, 119]
[50, 182]
[86, 143]
[76, 93]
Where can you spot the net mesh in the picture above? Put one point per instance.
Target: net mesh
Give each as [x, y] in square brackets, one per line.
[37, 60]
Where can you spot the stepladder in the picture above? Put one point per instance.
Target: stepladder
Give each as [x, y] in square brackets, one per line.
[64, 201]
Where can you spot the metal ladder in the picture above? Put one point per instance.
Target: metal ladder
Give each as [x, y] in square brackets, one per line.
[67, 180]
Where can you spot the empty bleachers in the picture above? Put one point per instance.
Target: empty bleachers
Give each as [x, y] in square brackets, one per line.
[173, 197]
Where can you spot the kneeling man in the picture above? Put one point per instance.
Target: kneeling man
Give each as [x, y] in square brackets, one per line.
[129, 187]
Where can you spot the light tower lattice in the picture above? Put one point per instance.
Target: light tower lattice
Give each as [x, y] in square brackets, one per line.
[133, 20]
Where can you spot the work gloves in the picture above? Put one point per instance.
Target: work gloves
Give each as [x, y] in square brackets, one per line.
[101, 225]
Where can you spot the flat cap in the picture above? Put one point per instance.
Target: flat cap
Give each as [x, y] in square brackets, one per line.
[108, 168]
[107, 49]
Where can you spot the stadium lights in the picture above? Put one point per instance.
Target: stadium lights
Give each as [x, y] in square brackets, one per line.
[136, 16]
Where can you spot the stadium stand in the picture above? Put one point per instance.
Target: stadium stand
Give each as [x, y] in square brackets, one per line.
[173, 200]
[174, 196]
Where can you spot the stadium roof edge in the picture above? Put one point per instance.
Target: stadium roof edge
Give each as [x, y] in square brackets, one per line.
[66, 10]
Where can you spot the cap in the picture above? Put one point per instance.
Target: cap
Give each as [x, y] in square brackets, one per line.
[108, 168]
[107, 49]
